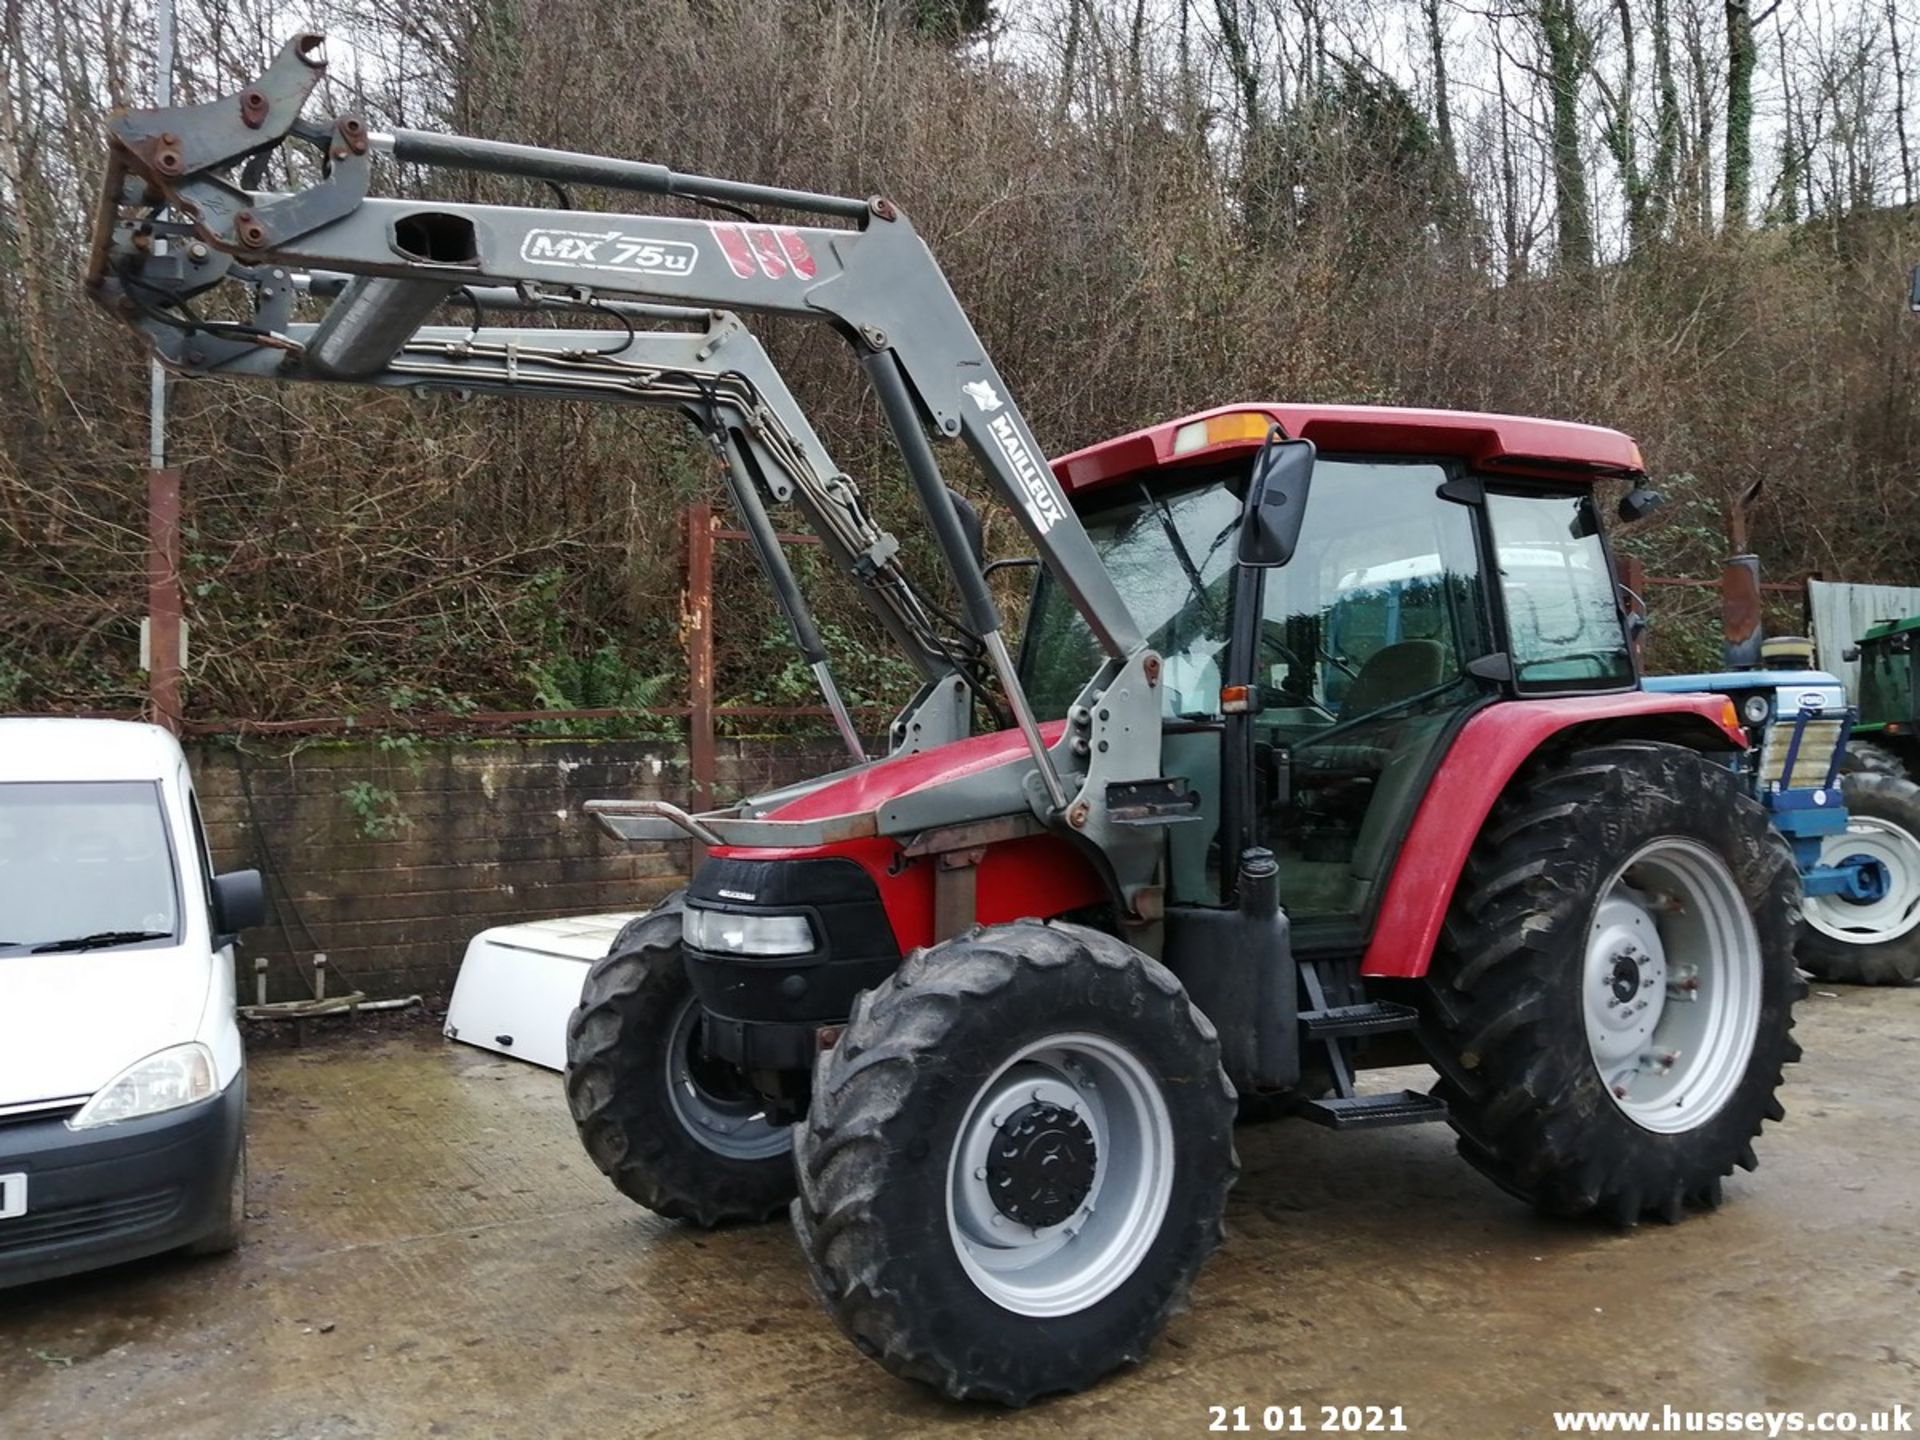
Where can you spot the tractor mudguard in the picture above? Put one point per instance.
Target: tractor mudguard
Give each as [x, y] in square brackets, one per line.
[1490, 749]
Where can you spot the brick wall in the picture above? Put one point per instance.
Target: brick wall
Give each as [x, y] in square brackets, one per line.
[390, 858]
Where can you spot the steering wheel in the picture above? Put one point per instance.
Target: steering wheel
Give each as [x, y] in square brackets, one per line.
[1271, 647]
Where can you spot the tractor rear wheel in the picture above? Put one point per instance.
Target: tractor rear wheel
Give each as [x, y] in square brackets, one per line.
[676, 1131]
[1870, 942]
[1870, 757]
[1613, 997]
[1016, 1162]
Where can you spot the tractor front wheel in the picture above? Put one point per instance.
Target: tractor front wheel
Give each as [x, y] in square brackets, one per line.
[1613, 998]
[679, 1132]
[1876, 941]
[1016, 1162]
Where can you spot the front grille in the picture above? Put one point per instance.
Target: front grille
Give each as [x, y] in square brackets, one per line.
[1812, 761]
[40, 1110]
[94, 1220]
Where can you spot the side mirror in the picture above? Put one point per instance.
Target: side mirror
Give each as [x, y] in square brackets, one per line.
[1276, 502]
[239, 902]
[1913, 291]
[1638, 503]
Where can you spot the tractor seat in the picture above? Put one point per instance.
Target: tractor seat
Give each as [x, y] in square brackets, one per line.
[1393, 673]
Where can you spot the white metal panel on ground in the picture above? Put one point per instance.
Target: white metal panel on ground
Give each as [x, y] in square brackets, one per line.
[519, 983]
[1843, 613]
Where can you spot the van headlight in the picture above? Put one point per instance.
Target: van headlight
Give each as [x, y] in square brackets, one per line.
[724, 932]
[165, 1081]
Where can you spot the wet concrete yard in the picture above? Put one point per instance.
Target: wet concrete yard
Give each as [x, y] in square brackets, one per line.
[431, 1254]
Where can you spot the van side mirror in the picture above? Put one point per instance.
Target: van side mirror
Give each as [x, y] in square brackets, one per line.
[1276, 502]
[239, 903]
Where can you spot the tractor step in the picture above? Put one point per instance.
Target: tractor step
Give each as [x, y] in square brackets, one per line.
[1344, 1022]
[1374, 1112]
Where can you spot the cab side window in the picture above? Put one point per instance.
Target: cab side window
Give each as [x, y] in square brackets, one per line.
[1564, 624]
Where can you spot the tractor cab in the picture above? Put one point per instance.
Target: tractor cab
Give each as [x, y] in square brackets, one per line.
[1444, 561]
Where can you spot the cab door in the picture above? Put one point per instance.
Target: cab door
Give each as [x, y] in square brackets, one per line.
[1361, 658]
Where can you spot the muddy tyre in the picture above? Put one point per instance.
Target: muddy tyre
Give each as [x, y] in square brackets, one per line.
[1031, 1257]
[1874, 942]
[1611, 1004]
[1867, 757]
[675, 1131]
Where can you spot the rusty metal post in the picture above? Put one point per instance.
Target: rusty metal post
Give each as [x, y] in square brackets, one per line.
[697, 621]
[1740, 613]
[1741, 617]
[163, 597]
[163, 481]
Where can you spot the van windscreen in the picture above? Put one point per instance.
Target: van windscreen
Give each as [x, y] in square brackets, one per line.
[85, 865]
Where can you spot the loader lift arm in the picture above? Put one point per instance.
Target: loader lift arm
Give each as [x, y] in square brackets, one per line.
[183, 211]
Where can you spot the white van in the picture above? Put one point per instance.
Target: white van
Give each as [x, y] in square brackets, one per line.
[122, 1085]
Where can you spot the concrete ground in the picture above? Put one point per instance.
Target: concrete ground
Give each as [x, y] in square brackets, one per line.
[431, 1254]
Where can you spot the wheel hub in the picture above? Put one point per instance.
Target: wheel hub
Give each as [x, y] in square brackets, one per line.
[1042, 1165]
[1626, 989]
[1060, 1174]
[711, 1101]
[1626, 978]
[1671, 986]
[1887, 859]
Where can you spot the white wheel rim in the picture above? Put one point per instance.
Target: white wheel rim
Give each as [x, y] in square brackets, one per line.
[1869, 922]
[1670, 987]
[737, 1128]
[1061, 1268]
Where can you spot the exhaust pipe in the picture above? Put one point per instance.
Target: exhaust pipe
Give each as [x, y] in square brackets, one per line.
[364, 329]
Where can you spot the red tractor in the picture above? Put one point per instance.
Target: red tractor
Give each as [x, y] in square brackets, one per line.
[1323, 750]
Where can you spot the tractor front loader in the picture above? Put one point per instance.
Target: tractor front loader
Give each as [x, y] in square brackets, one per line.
[1322, 749]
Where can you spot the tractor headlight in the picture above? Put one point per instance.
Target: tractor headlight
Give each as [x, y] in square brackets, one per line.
[723, 932]
[1755, 709]
[161, 1082]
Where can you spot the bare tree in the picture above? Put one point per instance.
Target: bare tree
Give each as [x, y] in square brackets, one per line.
[1568, 52]
[1900, 103]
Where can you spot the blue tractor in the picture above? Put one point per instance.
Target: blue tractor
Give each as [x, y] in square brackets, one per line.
[1854, 831]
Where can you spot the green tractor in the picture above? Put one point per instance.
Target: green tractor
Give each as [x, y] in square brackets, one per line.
[1886, 737]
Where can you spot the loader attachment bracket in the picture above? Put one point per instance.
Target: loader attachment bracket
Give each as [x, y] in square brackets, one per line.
[170, 144]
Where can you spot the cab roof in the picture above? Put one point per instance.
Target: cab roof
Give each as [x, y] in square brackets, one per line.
[1495, 444]
[51, 748]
